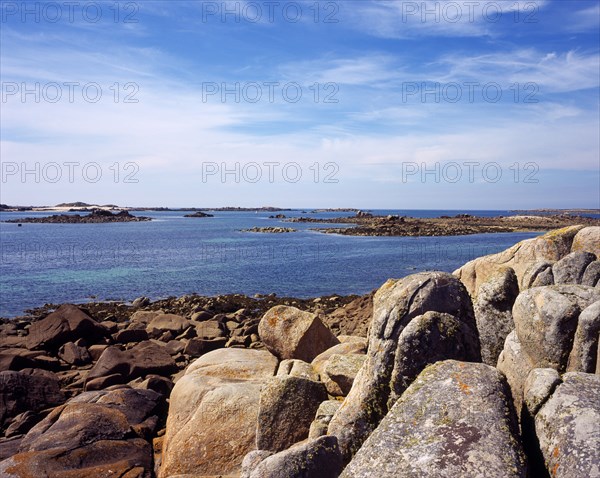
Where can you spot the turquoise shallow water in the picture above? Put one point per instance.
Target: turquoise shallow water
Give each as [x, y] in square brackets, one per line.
[173, 255]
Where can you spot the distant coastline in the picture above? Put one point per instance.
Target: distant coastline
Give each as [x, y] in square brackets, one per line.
[86, 207]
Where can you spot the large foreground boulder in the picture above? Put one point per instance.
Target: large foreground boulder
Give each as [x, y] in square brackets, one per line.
[568, 428]
[455, 420]
[417, 320]
[289, 333]
[213, 412]
[67, 323]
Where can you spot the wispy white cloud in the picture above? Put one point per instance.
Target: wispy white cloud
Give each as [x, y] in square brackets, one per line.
[554, 72]
[424, 18]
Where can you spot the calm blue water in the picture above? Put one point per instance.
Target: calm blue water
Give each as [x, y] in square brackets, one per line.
[173, 255]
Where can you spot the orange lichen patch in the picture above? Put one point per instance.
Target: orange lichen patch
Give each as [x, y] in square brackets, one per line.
[273, 319]
[466, 389]
[555, 453]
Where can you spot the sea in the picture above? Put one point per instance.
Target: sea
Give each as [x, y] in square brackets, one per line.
[173, 255]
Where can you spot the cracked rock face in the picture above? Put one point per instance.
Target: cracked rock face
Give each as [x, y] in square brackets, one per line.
[555, 327]
[568, 429]
[455, 420]
[425, 318]
[493, 313]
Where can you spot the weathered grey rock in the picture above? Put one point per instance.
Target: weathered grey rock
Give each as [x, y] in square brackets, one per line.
[66, 324]
[591, 276]
[427, 339]
[289, 333]
[455, 420]
[567, 428]
[585, 344]
[213, 412]
[323, 417]
[345, 348]
[550, 247]
[493, 313]
[297, 368]
[287, 408]
[252, 460]
[340, 371]
[587, 239]
[143, 359]
[540, 384]
[546, 319]
[27, 390]
[382, 377]
[74, 355]
[544, 278]
[537, 274]
[545, 322]
[570, 269]
[318, 458]
[583, 296]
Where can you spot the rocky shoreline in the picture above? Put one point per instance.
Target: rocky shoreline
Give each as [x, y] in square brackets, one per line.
[366, 224]
[95, 217]
[491, 371]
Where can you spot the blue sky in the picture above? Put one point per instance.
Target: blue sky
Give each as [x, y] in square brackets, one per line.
[404, 104]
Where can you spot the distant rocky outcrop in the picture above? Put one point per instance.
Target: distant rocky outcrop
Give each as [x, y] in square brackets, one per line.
[199, 214]
[270, 230]
[96, 216]
[367, 224]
